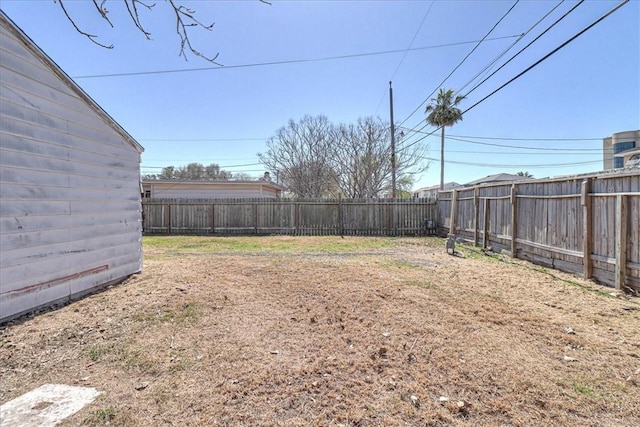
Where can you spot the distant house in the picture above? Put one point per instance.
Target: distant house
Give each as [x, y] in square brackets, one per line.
[431, 193]
[497, 178]
[70, 213]
[173, 189]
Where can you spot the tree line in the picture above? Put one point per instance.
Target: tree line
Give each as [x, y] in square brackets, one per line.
[197, 172]
[315, 158]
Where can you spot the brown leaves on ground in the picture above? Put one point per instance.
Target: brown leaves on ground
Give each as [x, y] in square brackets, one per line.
[400, 335]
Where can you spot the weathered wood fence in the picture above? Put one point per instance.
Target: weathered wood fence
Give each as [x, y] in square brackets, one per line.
[586, 225]
[388, 217]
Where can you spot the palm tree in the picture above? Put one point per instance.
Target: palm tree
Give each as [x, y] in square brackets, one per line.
[442, 113]
[525, 174]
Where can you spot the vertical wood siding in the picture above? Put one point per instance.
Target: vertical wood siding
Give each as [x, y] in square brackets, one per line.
[550, 222]
[285, 216]
[69, 187]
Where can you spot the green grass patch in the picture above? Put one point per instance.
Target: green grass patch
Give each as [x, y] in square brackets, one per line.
[585, 390]
[108, 417]
[586, 288]
[99, 351]
[266, 244]
[188, 312]
[421, 284]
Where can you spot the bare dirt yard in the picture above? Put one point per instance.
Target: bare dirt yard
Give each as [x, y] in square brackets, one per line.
[301, 331]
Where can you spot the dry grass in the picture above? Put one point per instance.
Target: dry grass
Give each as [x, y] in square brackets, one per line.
[329, 331]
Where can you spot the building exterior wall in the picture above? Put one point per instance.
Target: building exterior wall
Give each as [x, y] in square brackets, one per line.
[614, 148]
[209, 189]
[70, 211]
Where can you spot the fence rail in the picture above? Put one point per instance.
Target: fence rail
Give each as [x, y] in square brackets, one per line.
[587, 225]
[370, 217]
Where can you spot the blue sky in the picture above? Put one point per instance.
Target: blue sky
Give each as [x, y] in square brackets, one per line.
[549, 122]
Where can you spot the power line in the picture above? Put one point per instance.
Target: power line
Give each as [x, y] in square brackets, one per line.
[523, 148]
[486, 68]
[202, 140]
[220, 166]
[538, 62]
[462, 62]
[405, 53]
[519, 153]
[412, 40]
[285, 62]
[501, 138]
[519, 52]
[527, 46]
[623, 2]
[500, 165]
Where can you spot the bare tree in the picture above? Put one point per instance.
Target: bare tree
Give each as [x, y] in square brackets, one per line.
[361, 156]
[315, 158]
[299, 152]
[184, 20]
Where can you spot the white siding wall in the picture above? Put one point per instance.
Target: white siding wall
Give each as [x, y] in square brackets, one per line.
[69, 188]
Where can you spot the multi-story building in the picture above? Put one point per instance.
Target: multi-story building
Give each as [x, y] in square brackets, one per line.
[619, 148]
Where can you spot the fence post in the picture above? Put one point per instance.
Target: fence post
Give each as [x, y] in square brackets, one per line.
[213, 218]
[587, 229]
[485, 228]
[255, 218]
[167, 218]
[621, 240]
[514, 218]
[341, 216]
[476, 214]
[454, 212]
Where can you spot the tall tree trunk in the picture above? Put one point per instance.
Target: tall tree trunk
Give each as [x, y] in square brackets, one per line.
[442, 160]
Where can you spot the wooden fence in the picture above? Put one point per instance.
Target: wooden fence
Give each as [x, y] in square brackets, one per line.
[587, 225]
[387, 217]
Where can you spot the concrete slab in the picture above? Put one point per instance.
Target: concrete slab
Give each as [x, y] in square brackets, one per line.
[45, 406]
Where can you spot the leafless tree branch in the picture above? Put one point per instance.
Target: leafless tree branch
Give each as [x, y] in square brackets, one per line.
[185, 18]
[185, 14]
[103, 11]
[135, 17]
[89, 36]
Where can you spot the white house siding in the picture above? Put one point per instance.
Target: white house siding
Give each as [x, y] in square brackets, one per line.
[70, 213]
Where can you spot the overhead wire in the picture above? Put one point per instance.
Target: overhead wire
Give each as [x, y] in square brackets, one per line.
[554, 51]
[535, 64]
[503, 165]
[284, 62]
[527, 46]
[461, 62]
[404, 55]
[520, 51]
[504, 52]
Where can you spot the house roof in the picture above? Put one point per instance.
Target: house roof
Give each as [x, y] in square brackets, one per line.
[217, 183]
[447, 186]
[35, 49]
[500, 177]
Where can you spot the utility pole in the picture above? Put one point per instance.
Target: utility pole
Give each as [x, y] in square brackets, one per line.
[393, 145]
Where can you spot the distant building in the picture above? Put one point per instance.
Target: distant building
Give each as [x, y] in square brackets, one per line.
[432, 192]
[497, 178]
[632, 158]
[174, 189]
[619, 148]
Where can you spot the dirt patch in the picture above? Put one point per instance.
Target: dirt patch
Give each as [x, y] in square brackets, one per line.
[396, 333]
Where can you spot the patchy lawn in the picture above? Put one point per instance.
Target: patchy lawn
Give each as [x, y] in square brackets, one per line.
[302, 331]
